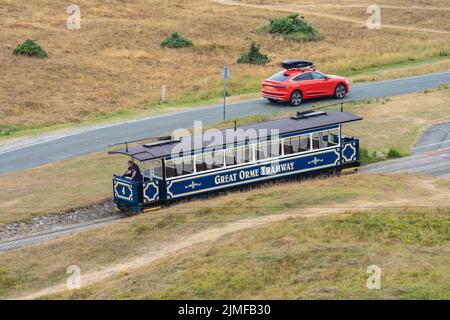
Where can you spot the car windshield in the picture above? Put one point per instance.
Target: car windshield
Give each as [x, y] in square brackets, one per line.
[280, 77]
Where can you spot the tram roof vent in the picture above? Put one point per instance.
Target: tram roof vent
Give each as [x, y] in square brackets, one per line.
[308, 114]
[161, 142]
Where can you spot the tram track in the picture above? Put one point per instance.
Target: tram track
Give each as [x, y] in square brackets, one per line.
[15, 243]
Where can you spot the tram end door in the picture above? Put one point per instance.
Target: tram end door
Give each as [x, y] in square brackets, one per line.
[127, 194]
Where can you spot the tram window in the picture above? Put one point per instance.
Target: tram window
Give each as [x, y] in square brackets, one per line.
[316, 140]
[152, 169]
[206, 161]
[332, 138]
[178, 167]
[171, 170]
[270, 149]
[213, 159]
[297, 144]
[188, 165]
[325, 139]
[305, 142]
[243, 154]
[230, 157]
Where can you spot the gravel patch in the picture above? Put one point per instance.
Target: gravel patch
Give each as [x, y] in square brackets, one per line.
[52, 222]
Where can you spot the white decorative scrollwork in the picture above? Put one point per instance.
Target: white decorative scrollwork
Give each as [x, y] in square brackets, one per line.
[352, 156]
[193, 185]
[315, 161]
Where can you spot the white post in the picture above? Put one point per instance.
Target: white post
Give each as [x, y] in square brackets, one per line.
[164, 93]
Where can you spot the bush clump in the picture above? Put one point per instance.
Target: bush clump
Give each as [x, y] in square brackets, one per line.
[394, 153]
[30, 48]
[175, 40]
[295, 28]
[254, 56]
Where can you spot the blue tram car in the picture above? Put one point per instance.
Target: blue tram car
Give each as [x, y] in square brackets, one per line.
[310, 142]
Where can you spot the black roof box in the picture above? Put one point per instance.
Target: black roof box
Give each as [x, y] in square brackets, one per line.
[296, 64]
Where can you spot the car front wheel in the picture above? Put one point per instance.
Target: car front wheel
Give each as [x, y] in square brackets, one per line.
[296, 98]
[340, 91]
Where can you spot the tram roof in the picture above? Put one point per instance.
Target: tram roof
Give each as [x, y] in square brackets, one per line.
[304, 122]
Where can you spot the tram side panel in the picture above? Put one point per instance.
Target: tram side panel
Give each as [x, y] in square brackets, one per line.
[130, 194]
[350, 152]
[251, 173]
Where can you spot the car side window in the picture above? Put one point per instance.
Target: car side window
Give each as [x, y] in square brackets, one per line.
[303, 77]
[318, 75]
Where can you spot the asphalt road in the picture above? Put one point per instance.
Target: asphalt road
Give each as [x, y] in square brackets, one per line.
[430, 155]
[58, 148]
[434, 138]
[436, 163]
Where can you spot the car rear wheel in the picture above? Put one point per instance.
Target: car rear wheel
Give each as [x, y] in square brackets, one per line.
[340, 91]
[296, 98]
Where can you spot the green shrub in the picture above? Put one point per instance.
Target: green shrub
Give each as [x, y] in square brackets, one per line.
[175, 40]
[294, 27]
[6, 130]
[30, 48]
[254, 56]
[394, 153]
[365, 157]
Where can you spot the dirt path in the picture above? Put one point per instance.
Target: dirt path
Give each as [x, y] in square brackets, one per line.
[306, 10]
[209, 235]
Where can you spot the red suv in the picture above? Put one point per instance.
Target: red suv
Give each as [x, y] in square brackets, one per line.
[302, 81]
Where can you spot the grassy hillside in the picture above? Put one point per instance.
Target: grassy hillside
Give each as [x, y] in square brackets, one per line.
[388, 123]
[115, 65]
[124, 248]
[326, 258]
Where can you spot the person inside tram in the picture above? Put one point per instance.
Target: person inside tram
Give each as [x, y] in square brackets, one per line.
[133, 171]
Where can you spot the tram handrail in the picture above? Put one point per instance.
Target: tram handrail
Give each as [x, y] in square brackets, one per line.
[160, 138]
[334, 104]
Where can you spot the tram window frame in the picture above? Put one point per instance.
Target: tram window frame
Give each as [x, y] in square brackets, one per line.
[220, 156]
[193, 160]
[304, 142]
[268, 152]
[148, 169]
[239, 155]
[318, 138]
[334, 135]
[210, 159]
[181, 165]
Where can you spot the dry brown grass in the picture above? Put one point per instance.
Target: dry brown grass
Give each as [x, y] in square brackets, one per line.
[114, 63]
[428, 15]
[388, 123]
